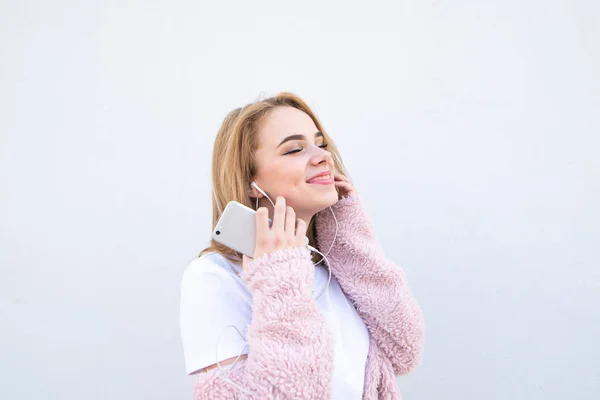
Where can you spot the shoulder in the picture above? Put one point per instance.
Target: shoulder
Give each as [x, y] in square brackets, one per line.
[211, 289]
[208, 265]
[210, 276]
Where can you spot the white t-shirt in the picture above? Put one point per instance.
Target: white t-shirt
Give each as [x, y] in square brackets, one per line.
[213, 297]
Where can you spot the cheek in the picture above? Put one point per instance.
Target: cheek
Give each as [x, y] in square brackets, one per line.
[290, 179]
[288, 172]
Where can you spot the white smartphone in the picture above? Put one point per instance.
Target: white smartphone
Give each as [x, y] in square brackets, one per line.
[236, 228]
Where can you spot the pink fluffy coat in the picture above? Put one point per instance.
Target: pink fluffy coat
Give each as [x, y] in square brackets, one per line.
[290, 346]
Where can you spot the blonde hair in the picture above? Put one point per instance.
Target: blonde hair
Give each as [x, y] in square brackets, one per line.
[234, 163]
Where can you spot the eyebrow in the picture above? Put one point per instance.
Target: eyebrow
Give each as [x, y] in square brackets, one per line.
[299, 137]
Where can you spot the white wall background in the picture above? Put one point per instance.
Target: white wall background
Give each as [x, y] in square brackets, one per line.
[471, 128]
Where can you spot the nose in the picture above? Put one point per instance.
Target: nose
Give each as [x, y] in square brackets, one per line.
[322, 156]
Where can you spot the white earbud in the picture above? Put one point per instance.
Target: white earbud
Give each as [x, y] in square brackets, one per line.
[255, 185]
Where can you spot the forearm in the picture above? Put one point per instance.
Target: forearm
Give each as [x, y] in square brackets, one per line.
[376, 285]
[290, 346]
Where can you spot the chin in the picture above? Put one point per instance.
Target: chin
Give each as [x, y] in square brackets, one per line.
[320, 199]
[327, 200]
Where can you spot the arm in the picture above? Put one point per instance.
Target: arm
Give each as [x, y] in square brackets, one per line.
[290, 346]
[376, 285]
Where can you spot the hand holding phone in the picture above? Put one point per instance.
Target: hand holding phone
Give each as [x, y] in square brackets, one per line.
[286, 231]
[242, 229]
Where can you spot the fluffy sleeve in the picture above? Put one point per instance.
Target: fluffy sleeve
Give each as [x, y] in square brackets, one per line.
[376, 285]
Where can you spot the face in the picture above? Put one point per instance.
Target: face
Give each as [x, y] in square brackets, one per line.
[291, 151]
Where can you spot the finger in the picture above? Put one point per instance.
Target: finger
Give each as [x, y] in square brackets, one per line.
[300, 227]
[262, 223]
[343, 185]
[279, 215]
[290, 221]
[339, 177]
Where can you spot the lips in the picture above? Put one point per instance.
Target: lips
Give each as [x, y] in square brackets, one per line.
[322, 176]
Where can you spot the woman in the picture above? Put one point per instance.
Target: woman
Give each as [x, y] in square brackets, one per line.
[349, 343]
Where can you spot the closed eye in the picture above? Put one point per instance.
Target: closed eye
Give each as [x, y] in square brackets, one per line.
[300, 149]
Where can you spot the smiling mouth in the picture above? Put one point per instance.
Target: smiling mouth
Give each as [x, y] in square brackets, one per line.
[322, 179]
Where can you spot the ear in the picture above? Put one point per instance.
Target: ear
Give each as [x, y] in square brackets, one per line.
[255, 194]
